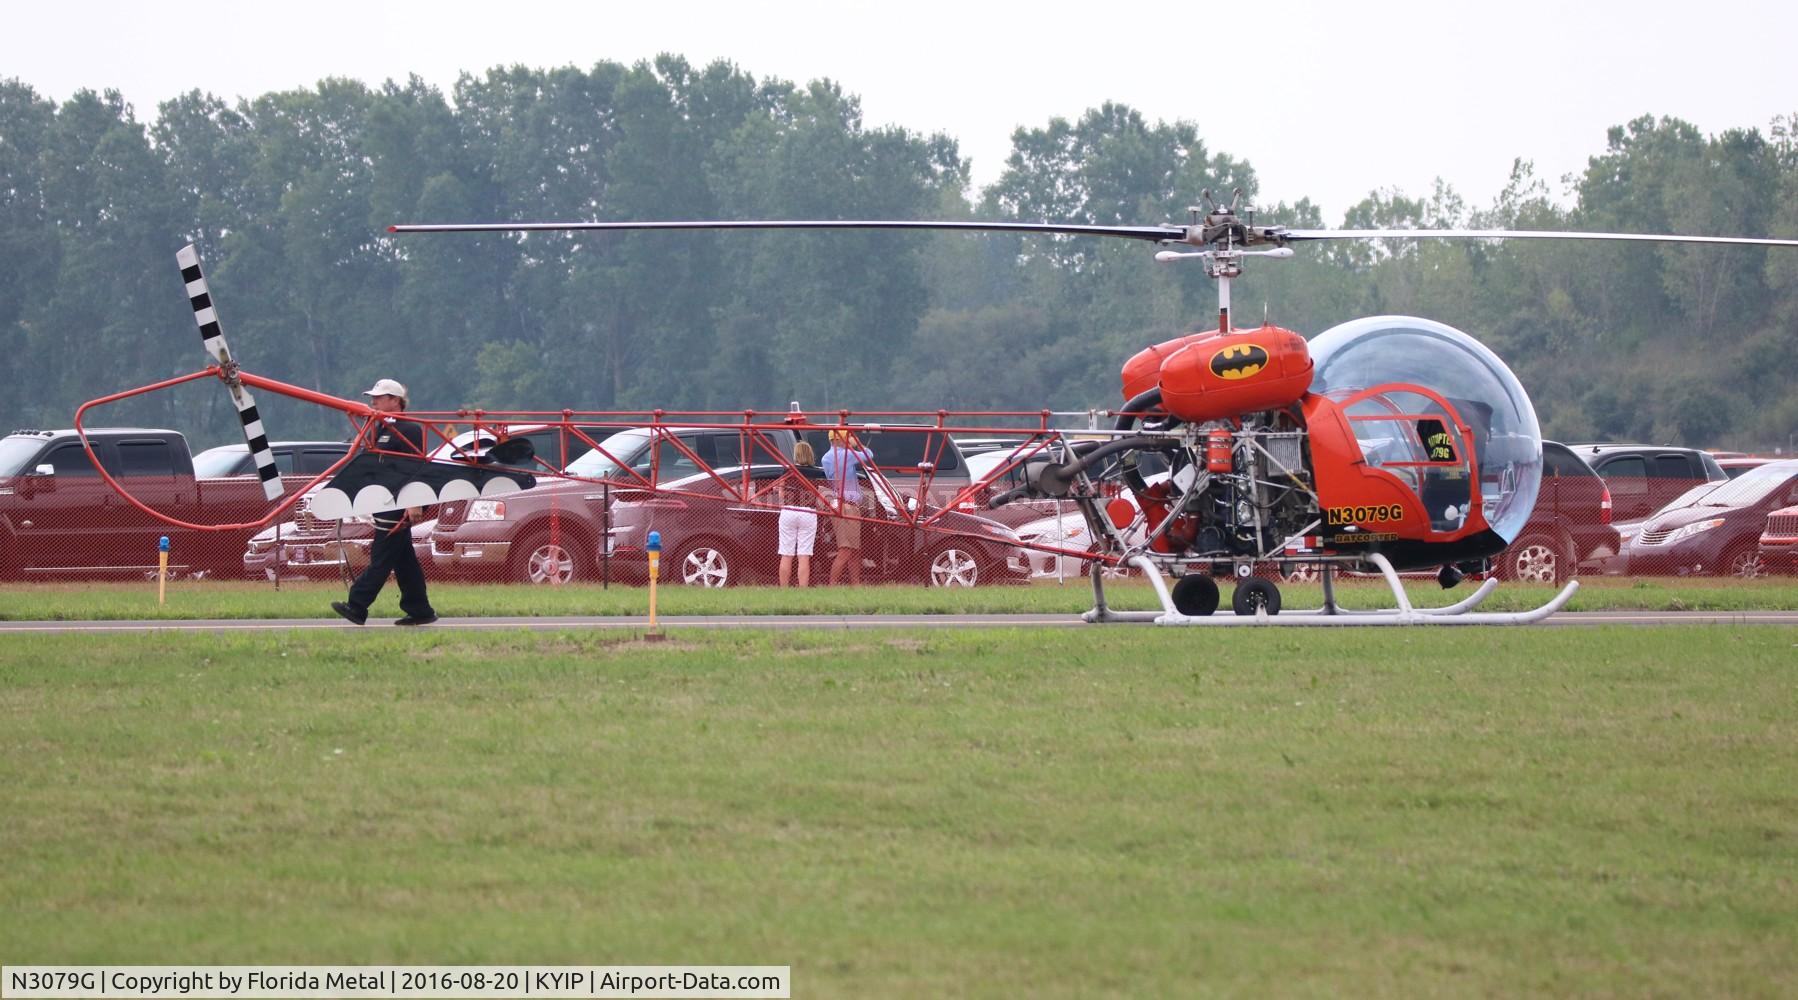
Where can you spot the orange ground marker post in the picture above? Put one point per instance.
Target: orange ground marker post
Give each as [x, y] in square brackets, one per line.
[654, 547]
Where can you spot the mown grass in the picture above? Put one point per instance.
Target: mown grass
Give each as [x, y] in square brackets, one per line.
[189, 599]
[1004, 812]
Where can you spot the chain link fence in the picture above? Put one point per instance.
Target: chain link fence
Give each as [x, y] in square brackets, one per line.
[728, 501]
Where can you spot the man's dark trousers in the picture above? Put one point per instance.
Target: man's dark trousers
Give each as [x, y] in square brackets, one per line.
[391, 552]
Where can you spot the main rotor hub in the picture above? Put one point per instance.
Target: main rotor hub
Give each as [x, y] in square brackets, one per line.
[1223, 230]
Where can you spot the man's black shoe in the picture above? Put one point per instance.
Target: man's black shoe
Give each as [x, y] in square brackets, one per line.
[358, 617]
[410, 620]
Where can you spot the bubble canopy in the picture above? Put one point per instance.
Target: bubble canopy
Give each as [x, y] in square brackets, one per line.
[1380, 350]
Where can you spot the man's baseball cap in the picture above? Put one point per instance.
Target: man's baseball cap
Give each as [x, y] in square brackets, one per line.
[387, 387]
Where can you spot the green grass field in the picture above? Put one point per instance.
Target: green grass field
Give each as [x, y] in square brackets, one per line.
[208, 599]
[1129, 812]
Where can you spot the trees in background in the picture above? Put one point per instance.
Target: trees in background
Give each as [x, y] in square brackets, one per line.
[289, 196]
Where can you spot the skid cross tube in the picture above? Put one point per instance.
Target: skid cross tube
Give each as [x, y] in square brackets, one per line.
[1459, 613]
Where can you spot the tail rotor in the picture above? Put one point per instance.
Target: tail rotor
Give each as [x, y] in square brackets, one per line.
[213, 338]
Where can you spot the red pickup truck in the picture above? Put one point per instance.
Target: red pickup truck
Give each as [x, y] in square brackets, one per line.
[58, 518]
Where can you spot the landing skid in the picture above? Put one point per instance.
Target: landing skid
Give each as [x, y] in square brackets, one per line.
[1459, 613]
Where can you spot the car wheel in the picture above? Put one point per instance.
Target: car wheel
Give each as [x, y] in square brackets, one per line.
[1747, 564]
[1255, 594]
[703, 564]
[1195, 595]
[953, 566]
[539, 560]
[1536, 558]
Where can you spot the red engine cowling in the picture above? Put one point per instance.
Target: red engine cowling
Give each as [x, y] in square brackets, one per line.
[1143, 371]
[1214, 376]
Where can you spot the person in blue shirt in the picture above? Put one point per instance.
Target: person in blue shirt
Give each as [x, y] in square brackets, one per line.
[841, 464]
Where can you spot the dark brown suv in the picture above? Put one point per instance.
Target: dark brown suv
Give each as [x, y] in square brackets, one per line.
[1571, 525]
[1644, 478]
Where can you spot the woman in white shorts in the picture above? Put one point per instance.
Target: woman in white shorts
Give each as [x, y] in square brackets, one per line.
[798, 519]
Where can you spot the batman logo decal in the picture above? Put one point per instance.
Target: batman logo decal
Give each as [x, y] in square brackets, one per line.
[1238, 361]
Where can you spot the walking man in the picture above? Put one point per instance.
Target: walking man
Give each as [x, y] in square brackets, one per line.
[391, 550]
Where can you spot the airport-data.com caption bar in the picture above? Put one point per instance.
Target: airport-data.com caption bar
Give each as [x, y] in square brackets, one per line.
[419, 981]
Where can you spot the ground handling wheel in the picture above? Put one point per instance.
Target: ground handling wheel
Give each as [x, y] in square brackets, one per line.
[1254, 594]
[1195, 595]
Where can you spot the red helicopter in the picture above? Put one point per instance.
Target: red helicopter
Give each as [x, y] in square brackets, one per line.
[1384, 444]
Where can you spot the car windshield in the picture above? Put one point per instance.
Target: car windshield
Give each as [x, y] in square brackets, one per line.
[1753, 486]
[16, 451]
[1735, 470]
[228, 460]
[1690, 497]
[982, 466]
[465, 445]
[761, 476]
[622, 446]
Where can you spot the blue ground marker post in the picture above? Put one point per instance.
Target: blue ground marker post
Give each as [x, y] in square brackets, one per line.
[162, 568]
[654, 548]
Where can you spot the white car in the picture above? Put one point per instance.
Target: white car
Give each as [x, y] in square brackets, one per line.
[1069, 531]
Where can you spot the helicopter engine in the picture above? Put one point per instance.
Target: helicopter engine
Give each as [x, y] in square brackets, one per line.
[1237, 480]
[1225, 489]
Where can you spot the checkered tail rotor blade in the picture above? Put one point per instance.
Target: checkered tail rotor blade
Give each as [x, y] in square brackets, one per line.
[213, 338]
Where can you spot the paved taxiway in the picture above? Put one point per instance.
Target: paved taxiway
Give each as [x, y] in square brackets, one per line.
[1565, 618]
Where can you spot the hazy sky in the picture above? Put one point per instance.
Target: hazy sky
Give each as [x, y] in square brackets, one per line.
[1329, 100]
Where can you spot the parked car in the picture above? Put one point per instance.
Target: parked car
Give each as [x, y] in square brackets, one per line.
[972, 446]
[1645, 478]
[552, 446]
[307, 546]
[1070, 531]
[292, 458]
[1720, 532]
[1779, 542]
[554, 532]
[59, 518]
[1015, 513]
[311, 549]
[1619, 565]
[1570, 527]
[712, 537]
[1733, 465]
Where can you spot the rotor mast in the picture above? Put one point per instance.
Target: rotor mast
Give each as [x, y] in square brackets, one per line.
[1223, 234]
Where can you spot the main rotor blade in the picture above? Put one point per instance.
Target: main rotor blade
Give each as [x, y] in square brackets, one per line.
[212, 337]
[1296, 235]
[1157, 234]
